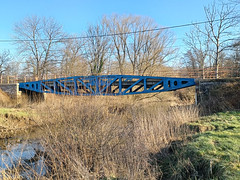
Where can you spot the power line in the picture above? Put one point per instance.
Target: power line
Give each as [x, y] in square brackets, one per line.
[118, 34]
[150, 30]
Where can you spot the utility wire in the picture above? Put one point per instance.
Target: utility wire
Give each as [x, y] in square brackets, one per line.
[118, 34]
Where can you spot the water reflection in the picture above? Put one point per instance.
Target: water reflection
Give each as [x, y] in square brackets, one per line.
[25, 157]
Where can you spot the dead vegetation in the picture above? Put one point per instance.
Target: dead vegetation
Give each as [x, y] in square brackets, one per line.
[222, 97]
[5, 100]
[109, 137]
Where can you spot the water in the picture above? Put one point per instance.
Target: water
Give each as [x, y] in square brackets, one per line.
[24, 156]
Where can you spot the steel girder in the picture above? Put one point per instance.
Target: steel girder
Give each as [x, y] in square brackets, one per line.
[107, 85]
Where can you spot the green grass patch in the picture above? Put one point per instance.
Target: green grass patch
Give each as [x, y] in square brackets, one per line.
[15, 112]
[8, 115]
[213, 153]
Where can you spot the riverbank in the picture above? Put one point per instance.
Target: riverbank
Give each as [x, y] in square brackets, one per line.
[212, 152]
[15, 121]
[96, 133]
[129, 138]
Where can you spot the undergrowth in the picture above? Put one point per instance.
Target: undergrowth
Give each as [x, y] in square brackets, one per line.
[212, 153]
[110, 137]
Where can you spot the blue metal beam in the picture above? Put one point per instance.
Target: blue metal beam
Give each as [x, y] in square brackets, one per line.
[107, 85]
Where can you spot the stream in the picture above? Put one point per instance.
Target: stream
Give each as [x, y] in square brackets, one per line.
[24, 156]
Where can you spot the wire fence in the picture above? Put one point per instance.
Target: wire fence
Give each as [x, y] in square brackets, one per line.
[207, 73]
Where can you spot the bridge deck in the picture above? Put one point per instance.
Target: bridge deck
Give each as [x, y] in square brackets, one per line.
[107, 85]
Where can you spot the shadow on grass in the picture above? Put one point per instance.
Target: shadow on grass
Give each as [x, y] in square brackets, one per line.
[181, 162]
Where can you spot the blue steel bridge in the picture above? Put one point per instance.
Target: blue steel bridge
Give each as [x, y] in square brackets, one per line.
[106, 85]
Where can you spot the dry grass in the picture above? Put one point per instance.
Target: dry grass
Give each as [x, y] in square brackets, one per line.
[224, 97]
[5, 100]
[108, 137]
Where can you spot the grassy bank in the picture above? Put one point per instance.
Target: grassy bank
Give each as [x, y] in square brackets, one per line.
[222, 142]
[212, 153]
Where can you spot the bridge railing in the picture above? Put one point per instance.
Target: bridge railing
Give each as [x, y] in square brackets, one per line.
[4, 79]
[207, 73]
[8, 79]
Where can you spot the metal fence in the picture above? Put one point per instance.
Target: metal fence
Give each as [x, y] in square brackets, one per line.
[207, 73]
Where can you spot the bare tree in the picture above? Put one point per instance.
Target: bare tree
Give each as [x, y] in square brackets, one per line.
[236, 59]
[233, 59]
[97, 48]
[73, 62]
[118, 26]
[38, 40]
[220, 21]
[198, 51]
[13, 68]
[136, 42]
[5, 59]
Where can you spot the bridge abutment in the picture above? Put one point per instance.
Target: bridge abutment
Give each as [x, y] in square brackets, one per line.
[12, 90]
[218, 94]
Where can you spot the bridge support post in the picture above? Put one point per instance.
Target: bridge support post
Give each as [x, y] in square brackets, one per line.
[197, 91]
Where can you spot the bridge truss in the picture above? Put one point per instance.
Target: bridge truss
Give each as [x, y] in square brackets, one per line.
[107, 85]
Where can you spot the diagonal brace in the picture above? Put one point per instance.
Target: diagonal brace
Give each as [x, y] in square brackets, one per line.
[70, 91]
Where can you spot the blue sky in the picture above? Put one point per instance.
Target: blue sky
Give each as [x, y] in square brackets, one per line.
[76, 15]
